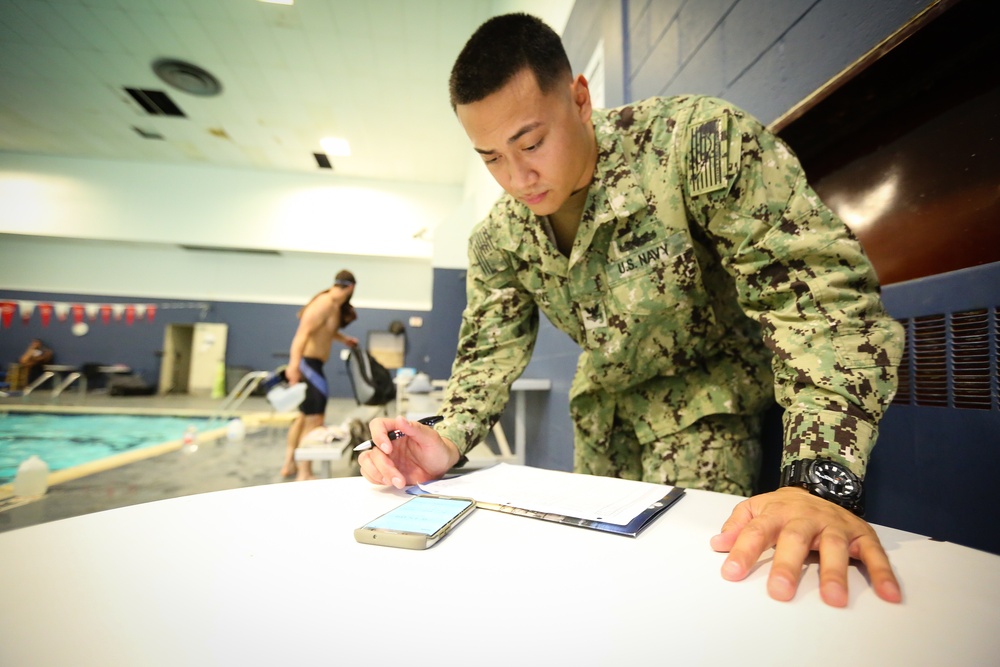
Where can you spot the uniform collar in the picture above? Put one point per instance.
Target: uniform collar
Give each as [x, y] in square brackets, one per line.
[614, 195]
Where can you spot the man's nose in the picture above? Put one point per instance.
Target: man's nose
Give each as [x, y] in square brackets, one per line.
[522, 175]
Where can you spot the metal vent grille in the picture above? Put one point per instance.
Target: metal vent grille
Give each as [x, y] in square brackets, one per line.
[930, 361]
[322, 161]
[970, 359]
[905, 383]
[155, 102]
[147, 134]
[951, 360]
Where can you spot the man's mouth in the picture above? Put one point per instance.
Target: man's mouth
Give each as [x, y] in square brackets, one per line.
[534, 199]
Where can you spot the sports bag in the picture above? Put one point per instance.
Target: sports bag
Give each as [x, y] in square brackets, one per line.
[371, 381]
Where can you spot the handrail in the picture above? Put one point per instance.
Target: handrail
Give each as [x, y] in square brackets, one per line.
[240, 393]
[70, 379]
[39, 381]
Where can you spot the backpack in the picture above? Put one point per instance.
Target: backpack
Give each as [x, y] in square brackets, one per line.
[371, 381]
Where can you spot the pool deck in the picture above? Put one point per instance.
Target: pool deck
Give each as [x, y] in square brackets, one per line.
[163, 471]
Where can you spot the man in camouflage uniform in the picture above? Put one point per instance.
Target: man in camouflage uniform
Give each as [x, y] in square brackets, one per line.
[679, 244]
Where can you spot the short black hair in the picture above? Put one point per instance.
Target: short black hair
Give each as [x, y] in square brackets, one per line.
[500, 48]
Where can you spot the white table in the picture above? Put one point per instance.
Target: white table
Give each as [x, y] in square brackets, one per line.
[113, 370]
[271, 575]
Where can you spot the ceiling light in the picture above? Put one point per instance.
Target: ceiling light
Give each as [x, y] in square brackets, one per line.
[335, 146]
[279, 2]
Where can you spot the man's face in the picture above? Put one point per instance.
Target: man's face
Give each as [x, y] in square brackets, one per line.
[540, 148]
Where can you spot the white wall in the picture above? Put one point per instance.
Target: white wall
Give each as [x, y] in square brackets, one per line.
[107, 227]
[451, 237]
[35, 263]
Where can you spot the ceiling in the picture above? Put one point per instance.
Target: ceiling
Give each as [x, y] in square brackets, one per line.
[371, 71]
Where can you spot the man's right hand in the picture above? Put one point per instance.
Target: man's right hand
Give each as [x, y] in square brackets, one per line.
[421, 455]
[293, 375]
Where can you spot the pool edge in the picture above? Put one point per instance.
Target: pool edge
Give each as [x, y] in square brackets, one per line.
[251, 420]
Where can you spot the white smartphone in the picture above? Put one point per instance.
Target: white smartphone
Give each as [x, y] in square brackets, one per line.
[416, 524]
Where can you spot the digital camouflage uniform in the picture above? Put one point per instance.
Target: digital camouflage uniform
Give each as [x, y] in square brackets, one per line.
[700, 239]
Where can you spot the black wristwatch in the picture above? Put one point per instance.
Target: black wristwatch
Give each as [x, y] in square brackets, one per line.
[828, 480]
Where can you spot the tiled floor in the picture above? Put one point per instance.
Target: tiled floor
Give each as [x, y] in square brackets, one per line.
[214, 466]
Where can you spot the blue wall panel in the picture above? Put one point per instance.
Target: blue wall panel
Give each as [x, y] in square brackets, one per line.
[259, 335]
[549, 432]
[934, 468]
[934, 472]
[762, 55]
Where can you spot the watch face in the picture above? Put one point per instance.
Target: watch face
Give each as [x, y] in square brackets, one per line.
[836, 479]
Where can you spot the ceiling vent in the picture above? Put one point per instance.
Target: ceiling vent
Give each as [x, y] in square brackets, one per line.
[147, 134]
[187, 77]
[155, 102]
[322, 161]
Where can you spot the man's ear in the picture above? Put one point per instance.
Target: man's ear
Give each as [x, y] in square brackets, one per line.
[580, 90]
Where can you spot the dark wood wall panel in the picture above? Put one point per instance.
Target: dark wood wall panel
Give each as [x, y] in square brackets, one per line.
[906, 147]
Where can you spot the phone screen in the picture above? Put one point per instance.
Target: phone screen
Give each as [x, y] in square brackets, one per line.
[424, 515]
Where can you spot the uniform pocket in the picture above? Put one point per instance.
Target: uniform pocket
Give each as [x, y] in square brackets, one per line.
[658, 318]
[874, 346]
[658, 277]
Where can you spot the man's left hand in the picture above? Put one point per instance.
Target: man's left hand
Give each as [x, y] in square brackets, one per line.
[795, 522]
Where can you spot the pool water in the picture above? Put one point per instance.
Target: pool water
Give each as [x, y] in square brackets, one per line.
[65, 441]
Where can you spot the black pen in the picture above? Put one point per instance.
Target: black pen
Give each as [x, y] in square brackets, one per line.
[426, 421]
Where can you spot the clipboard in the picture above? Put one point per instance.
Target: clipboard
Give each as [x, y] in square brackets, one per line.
[631, 529]
[521, 501]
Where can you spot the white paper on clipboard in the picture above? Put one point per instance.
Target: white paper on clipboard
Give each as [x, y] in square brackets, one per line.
[588, 497]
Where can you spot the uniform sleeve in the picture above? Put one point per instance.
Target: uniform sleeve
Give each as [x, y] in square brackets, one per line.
[497, 336]
[801, 274]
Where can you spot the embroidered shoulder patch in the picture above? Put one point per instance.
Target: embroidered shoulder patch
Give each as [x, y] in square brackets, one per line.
[709, 157]
[482, 247]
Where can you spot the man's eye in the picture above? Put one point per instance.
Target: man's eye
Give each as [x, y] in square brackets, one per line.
[533, 146]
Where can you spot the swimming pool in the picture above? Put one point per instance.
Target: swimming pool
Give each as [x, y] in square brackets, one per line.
[68, 440]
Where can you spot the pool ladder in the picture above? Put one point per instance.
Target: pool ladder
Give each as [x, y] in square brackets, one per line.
[240, 393]
[59, 384]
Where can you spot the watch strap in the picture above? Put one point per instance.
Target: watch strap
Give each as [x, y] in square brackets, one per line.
[791, 475]
[796, 474]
